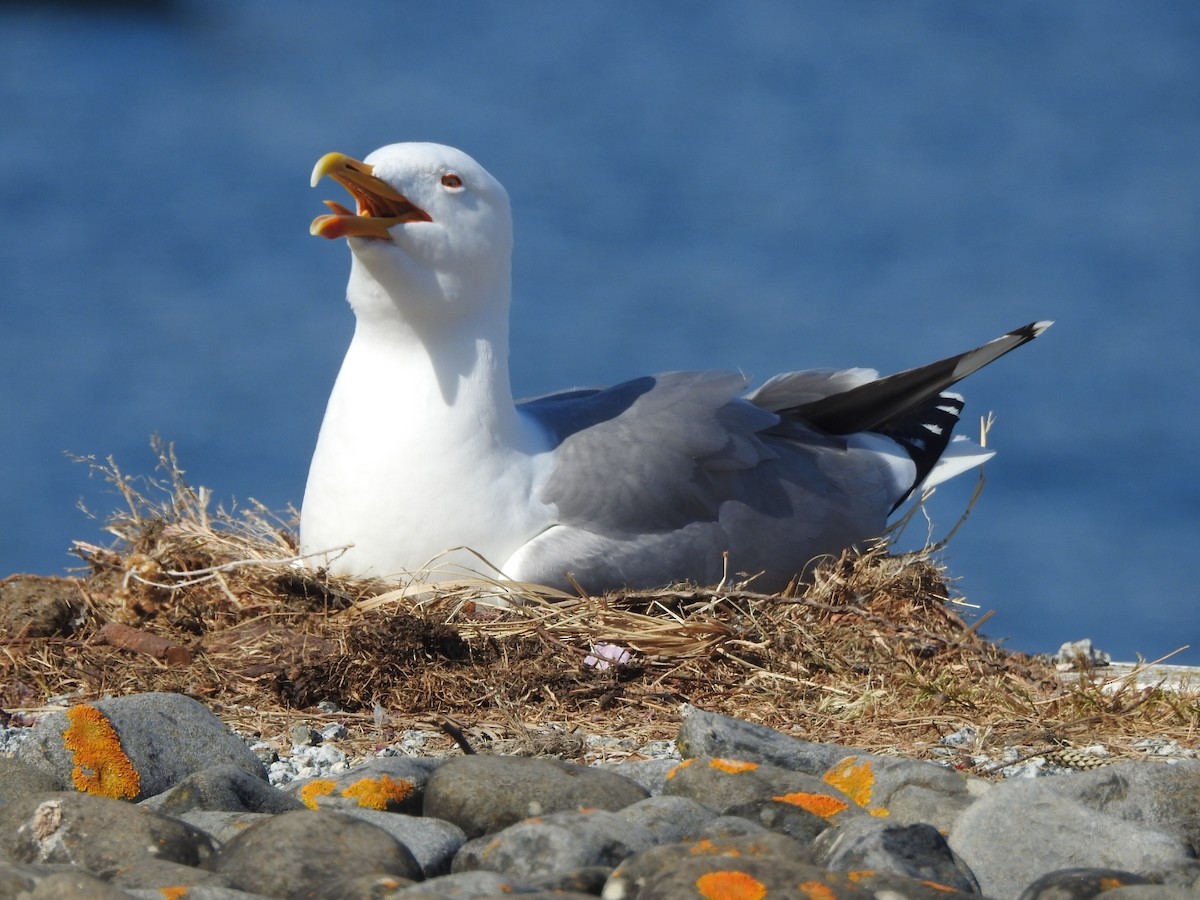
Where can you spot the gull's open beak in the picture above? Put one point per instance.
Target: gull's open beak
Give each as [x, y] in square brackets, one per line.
[380, 206]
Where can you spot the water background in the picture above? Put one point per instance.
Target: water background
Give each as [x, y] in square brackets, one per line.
[762, 186]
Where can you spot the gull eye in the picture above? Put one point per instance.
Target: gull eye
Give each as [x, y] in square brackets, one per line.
[452, 181]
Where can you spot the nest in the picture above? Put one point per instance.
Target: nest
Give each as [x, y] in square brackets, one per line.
[873, 651]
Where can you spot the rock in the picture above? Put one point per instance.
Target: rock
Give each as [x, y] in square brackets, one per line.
[1081, 653]
[465, 886]
[1021, 830]
[1079, 884]
[669, 819]
[134, 747]
[196, 892]
[555, 844]
[890, 886]
[225, 788]
[649, 773]
[588, 880]
[728, 784]
[914, 851]
[726, 876]
[19, 778]
[222, 826]
[633, 873]
[710, 734]
[73, 886]
[294, 853]
[152, 873]
[482, 794]
[1165, 796]
[781, 816]
[96, 834]
[373, 886]
[432, 842]
[394, 784]
[879, 783]
[1149, 892]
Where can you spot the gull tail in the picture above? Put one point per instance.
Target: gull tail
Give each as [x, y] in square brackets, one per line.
[914, 409]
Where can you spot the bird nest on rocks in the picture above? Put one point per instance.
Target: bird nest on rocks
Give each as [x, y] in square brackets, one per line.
[874, 652]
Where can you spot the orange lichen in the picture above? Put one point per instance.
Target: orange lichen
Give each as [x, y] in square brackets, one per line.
[730, 885]
[176, 892]
[674, 770]
[379, 793]
[859, 874]
[857, 781]
[821, 804]
[706, 847]
[732, 766]
[1108, 883]
[943, 887]
[318, 787]
[100, 766]
[814, 890]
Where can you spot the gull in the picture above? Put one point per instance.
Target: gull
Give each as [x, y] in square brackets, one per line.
[426, 467]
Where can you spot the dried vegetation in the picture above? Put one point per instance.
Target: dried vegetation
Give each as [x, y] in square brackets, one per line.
[874, 653]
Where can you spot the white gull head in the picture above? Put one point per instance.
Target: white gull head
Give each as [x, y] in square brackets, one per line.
[422, 447]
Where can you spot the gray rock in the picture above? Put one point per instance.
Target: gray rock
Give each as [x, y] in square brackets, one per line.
[294, 853]
[18, 778]
[1149, 892]
[878, 783]
[890, 886]
[372, 886]
[731, 826]
[199, 892]
[723, 876]
[482, 794]
[432, 842]
[912, 804]
[649, 773]
[17, 878]
[73, 886]
[1079, 884]
[710, 734]
[222, 826]
[1021, 830]
[588, 881]
[165, 736]
[669, 819]
[555, 844]
[152, 873]
[914, 851]
[783, 817]
[635, 871]
[96, 834]
[1165, 796]
[464, 886]
[394, 784]
[224, 788]
[725, 785]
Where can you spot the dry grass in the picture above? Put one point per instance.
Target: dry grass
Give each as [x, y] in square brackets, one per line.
[873, 653]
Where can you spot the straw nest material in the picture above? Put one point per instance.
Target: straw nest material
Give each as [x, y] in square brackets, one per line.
[874, 652]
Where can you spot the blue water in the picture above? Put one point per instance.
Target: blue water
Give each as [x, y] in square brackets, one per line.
[763, 186]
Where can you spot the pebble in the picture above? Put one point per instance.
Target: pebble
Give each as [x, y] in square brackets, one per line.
[151, 796]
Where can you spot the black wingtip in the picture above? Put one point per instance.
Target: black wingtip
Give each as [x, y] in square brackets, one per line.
[883, 403]
[924, 433]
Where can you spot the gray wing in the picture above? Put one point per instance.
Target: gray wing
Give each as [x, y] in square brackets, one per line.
[651, 454]
[655, 479]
